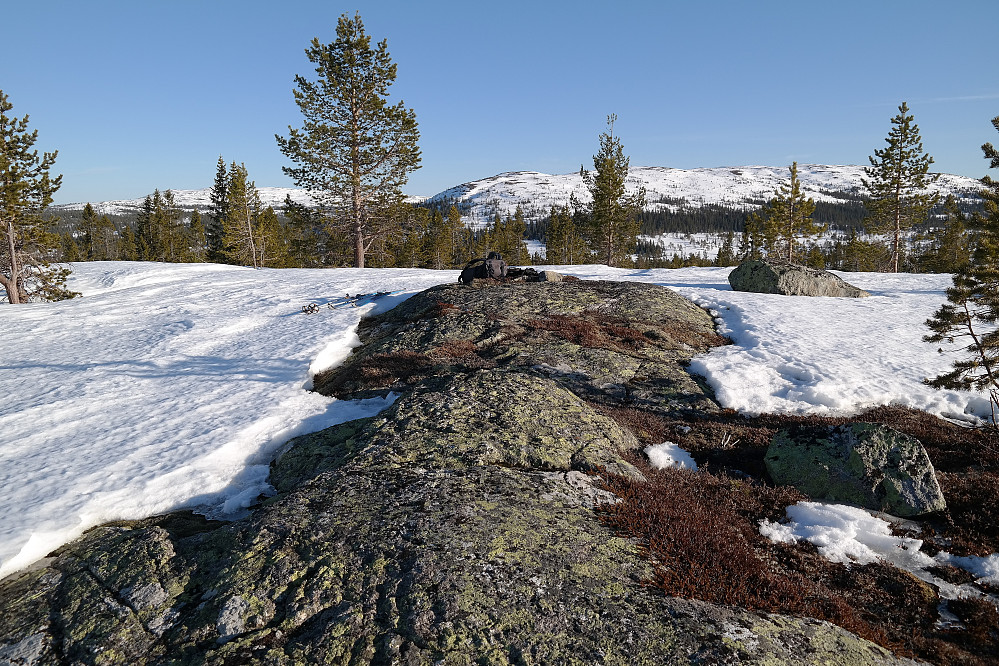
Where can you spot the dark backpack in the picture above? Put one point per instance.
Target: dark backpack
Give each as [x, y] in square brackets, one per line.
[495, 268]
[476, 268]
[492, 266]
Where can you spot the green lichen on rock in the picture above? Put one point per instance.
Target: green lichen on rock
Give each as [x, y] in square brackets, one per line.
[864, 464]
[608, 342]
[457, 527]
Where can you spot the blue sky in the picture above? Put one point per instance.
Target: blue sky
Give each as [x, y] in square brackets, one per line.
[144, 94]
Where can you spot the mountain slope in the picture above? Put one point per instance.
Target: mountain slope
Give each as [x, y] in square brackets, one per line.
[536, 193]
[730, 187]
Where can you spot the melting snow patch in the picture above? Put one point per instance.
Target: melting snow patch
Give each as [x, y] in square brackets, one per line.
[669, 454]
[849, 535]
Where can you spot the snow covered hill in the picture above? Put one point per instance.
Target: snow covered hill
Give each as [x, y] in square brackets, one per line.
[189, 200]
[535, 193]
[666, 188]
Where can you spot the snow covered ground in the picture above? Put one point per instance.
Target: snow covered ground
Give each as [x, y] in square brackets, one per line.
[170, 385]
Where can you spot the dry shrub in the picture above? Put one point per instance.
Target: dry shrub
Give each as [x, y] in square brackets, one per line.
[692, 337]
[442, 309]
[701, 544]
[453, 349]
[582, 332]
[973, 512]
[378, 371]
[700, 531]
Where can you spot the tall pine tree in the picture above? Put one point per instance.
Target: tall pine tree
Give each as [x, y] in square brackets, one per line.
[354, 151]
[613, 214]
[897, 181]
[240, 238]
[787, 217]
[972, 308]
[26, 238]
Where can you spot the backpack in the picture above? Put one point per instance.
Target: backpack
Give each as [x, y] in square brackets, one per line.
[495, 268]
[492, 266]
[476, 268]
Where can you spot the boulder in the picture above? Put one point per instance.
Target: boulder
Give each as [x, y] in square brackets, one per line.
[773, 276]
[863, 464]
[549, 276]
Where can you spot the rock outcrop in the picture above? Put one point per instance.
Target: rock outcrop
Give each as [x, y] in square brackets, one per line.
[457, 527]
[773, 276]
[864, 464]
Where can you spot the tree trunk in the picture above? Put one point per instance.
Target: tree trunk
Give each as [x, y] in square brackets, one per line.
[11, 285]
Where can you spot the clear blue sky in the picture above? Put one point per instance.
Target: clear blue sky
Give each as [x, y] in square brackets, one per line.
[144, 94]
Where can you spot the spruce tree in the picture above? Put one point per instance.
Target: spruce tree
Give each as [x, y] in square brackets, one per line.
[563, 242]
[272, 245]
[26, 238]
[309, 245]
[898, 181]
[354, 151]
[438, 242]
[972, 308]
[218, 213]
[613, 214]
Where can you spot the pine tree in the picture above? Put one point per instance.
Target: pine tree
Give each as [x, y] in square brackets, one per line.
[461, 237]
[240, 237]
[972, 307]
[272, 245]
[613, 223]
[354, 151]
[950, 245]
[897, 181]
[787, 217]
[564, 244]
[26, 238]
[726, 253]
[218, 214]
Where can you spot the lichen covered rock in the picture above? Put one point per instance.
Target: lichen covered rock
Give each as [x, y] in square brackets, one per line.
[863, 464]
[457, 527]
[774, 276]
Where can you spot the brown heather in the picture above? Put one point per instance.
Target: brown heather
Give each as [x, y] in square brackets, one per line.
[700, 531]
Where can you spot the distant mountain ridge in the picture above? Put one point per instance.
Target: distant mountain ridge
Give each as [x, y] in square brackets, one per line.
[730, 187]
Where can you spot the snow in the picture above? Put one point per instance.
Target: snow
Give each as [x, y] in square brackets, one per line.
[849, 535]
[667, 188]
[669, 454]
[172, 386]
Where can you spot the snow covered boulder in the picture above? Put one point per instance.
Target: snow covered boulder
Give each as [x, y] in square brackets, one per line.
[863, 464]
[774, 276]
